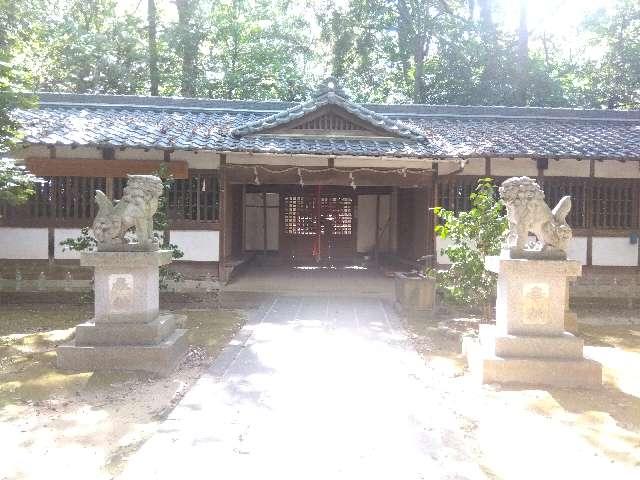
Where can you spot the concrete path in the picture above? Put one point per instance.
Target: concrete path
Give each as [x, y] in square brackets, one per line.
[312, 388]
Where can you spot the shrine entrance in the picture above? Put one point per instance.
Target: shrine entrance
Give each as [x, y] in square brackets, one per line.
[318, 223]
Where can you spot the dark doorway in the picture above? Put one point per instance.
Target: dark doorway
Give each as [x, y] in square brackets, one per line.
[318, 223]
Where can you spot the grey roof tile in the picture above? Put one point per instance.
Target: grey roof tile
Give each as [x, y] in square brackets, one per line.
[434, 131]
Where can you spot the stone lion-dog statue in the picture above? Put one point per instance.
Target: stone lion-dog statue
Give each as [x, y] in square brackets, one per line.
[136, 209]
[527, 212]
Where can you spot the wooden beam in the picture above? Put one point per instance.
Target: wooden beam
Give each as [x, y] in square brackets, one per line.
[325, 176]
[73, 167]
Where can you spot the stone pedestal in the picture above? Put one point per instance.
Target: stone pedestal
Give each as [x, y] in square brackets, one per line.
[415, 296]
[529, 344]
[127, 332]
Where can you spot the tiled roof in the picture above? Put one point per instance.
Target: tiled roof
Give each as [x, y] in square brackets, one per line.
[422, 130]
[330, 93]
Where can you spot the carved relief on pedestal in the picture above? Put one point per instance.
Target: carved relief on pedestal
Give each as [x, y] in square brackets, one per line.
[535, 303]
[120, 292]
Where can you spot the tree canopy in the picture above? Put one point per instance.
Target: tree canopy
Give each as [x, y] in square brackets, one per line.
[410, 51]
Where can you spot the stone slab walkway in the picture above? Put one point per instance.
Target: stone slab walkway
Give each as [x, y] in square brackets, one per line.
[312, 388]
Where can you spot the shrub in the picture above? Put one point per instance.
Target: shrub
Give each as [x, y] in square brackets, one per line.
[474, 235]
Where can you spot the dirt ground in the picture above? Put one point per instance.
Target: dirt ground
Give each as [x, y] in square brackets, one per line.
[84, 425]
[533, 433]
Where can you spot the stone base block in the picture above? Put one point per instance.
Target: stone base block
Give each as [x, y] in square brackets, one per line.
[571, 322]
[160, 359]
[150, 333]
[551, 372]
[564, 346]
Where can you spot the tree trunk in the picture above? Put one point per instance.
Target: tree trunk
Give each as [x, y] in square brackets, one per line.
[154, 76]
[486, 15]
[418, 81]
[523, 57]
[188, 46]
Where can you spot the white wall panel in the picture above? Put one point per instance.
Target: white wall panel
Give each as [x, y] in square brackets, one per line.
[506, 167]
[197, 245]
[60, 234]
[614, 251]
[201, 160]
[440, 244]
[366, 225]
[92, 153]
[140, 154]
[366, 228]
[616, 169]
[567, 168]
[24, 243]
[578, 250]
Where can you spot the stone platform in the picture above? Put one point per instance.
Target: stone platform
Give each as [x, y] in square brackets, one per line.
[161, 358]
[529, 344]
[555, 361]
[128, 332]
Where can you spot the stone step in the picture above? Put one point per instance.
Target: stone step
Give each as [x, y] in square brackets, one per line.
[551, 372]
[565, 346]
[106, 333]
[160, 359]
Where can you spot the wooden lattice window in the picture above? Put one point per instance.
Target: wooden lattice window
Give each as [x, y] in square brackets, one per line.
[614, 204]
[328, 121]
[337, 214]
[195, 199]
[300, 215]
[58, 201]
[455, 194]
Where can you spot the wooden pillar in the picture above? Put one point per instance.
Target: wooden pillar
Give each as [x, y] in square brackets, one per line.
[222, 188]
[431, 236]
[589, 211]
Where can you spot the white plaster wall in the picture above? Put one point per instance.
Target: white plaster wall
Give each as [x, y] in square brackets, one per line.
[616, 169]
[366, 223]
[79, 152]
[139, 154]
[351, 162]
[60, 234]
[35, 151]
[200, 160]
[614, 251]
[440, 244]
[365, 231]
[265, 159]
[474, 166]
[506, 167]
[567, 167]
[578, 250]
[24, 243]
[197, 245]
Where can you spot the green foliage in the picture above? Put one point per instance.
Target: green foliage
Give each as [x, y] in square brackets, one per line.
[16, 184]
[420, 51]
[613, 79]
[473, 235]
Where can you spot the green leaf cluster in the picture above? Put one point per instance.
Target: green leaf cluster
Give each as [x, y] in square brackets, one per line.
[473, 235]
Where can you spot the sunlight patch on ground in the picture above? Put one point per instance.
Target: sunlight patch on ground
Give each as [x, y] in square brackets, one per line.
[84, 424]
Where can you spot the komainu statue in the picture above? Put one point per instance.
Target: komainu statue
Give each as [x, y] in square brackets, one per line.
[527, 213]
[136, 209]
